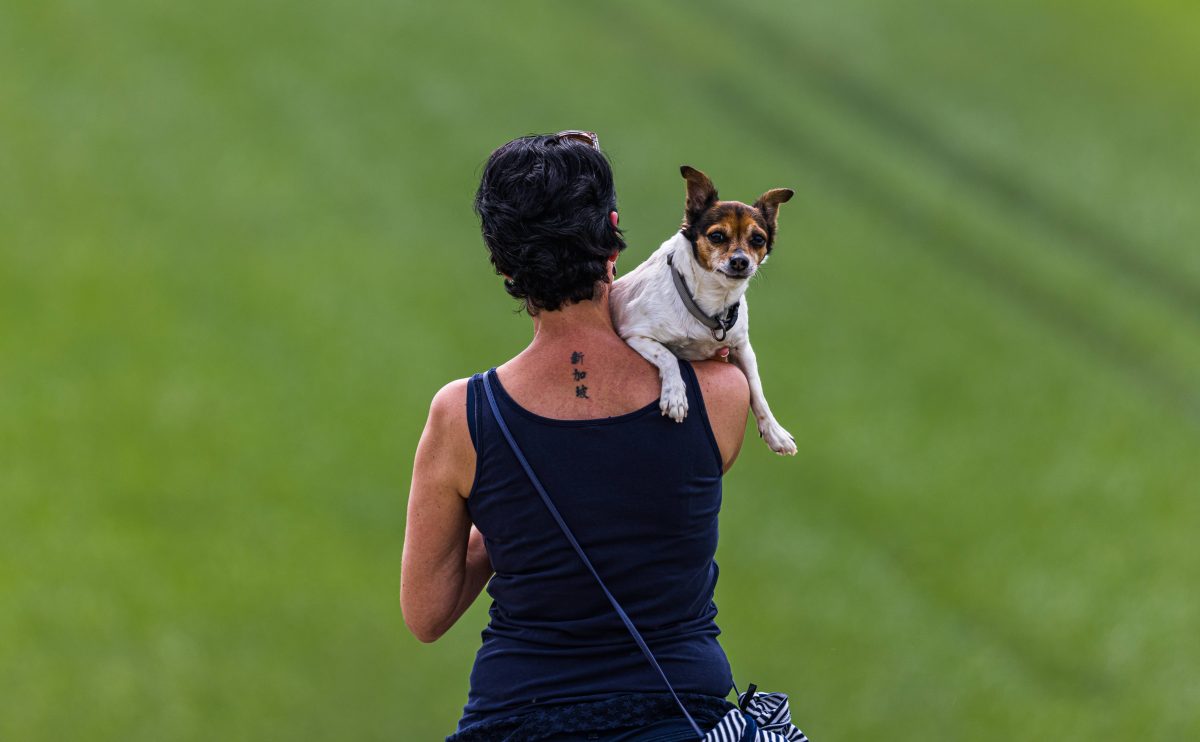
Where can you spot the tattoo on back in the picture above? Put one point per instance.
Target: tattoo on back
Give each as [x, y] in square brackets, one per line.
[578, 374]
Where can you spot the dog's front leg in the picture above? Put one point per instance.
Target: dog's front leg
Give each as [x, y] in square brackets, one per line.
[780, 441]
[673, 398]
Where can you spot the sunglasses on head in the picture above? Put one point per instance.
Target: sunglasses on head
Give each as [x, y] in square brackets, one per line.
[587, 137]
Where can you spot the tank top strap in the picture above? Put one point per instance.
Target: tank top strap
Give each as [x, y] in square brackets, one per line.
[692, 382]
[689, 376]
[696, 408]
[475, 409]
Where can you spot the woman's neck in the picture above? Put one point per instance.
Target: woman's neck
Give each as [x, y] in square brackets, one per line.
[577, 367]
[573, 322]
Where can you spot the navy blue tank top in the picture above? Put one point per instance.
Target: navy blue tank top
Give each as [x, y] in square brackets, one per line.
[641, 494]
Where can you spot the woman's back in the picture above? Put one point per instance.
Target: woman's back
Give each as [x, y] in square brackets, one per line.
[641, 494]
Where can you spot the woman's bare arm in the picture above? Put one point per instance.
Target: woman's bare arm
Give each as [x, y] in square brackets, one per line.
[445, 564]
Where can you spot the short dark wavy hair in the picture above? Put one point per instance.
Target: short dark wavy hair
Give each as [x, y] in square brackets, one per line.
[543, 206]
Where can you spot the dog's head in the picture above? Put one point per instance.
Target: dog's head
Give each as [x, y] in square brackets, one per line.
[729, 237]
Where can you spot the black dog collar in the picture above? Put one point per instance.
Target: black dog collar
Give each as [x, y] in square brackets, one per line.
[716, 323]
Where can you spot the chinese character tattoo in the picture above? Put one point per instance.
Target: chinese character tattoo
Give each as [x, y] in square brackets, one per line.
[578, 375]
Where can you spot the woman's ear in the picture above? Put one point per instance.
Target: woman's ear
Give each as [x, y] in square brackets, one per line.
[612, 217]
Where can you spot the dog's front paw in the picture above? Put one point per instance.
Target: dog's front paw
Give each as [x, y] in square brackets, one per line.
[780, 441]
[673, 401]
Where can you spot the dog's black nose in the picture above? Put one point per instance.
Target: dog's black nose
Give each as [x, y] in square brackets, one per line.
[739, 263]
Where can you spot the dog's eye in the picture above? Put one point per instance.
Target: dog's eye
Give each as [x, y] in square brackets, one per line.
[716, 237]
[757, 240]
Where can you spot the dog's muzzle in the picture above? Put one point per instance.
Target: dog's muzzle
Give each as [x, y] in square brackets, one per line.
[739, 265]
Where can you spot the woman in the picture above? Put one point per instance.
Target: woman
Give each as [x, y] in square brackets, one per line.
[640, 492]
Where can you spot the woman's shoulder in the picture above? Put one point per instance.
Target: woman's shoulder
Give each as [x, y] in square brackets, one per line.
[726, 396]
[448, 413]
[722, 383]
[450, 401]
[447, 432]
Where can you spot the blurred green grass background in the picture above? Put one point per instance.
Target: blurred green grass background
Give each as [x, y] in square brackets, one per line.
[237, 258]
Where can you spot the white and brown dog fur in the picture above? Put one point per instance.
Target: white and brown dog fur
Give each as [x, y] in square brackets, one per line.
[719, 248]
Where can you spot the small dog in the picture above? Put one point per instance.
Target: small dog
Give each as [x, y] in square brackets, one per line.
[686, 299]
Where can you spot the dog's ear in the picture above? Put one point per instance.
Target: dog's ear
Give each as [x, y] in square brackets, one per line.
[701, 193]
[768, 203]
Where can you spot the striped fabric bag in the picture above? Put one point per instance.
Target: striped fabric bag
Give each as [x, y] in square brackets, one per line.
[762, 717]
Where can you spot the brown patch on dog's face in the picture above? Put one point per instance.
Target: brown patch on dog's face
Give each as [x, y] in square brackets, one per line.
[729, 237]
